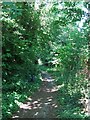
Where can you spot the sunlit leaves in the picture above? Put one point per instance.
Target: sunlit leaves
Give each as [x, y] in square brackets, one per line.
[20, 50]
[49, 35]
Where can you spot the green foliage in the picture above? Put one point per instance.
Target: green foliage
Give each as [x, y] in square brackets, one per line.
[69, 52]
[49, 34]
[20, 61]
[11, 100]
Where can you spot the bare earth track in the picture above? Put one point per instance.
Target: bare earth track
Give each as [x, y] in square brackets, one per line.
[43, 104]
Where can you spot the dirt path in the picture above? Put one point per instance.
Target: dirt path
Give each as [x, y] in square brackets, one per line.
[43, 104]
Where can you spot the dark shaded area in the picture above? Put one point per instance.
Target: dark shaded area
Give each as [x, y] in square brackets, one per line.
[43, 104]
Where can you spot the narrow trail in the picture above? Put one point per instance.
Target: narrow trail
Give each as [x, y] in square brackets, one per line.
[43, 104]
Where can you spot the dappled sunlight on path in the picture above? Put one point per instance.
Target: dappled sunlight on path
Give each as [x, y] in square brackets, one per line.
[43, 104]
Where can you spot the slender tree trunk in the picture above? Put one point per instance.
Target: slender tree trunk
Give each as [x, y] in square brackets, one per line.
[88, 87]
[88, 63]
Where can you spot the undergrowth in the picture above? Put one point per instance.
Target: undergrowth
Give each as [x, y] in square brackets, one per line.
[69, 95]
[11, 100]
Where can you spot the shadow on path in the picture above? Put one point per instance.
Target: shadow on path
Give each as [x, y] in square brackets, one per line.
[43, 104]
